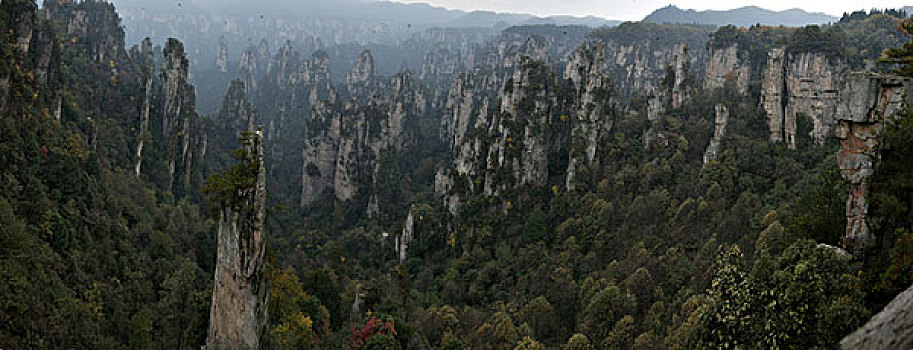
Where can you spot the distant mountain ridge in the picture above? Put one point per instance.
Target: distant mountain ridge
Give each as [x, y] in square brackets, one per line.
[420, 14]
[743, 16]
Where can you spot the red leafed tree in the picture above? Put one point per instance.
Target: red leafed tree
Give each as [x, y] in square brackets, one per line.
[373, 326]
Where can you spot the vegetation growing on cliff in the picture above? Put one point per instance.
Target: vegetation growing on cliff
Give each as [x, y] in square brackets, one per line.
[653, 248]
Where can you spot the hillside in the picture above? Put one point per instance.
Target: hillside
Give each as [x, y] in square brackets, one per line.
[643, 186]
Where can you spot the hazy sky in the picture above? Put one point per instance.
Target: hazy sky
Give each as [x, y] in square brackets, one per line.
[637, 9]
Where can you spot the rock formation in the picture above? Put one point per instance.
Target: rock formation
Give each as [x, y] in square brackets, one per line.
[177, 110]
[237, 113]
[890, 329]
[721, 121]
[240, 292]
[866, 102]
[146, 59]
[592, 111]
[639, 54]
[725, 67]
[222, 55]
[774, 96]
[800, 85]
[361, 75]
[346, 142]
[403, 241]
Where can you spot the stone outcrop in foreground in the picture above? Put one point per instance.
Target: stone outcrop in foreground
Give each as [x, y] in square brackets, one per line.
[240, 296]
[892, 328]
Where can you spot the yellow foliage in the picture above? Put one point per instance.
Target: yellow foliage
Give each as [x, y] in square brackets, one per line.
[451, 240]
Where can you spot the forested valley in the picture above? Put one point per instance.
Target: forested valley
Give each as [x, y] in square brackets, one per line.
[541, 186]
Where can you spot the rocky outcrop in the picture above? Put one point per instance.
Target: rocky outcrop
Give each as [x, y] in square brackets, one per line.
[774, 95]
[720, 122]
[592, 111]
[222, 55]
[240, 292]
[890, 329]
[145, 57]
[177, 109]
[237, 113]
[346, 143]
[94, 25]
[499, 151]
[866, 102]
[639, 54]
[680, 78]
[362, 74]
[408, 234]
[675, 89]
[725, 68]
[248, 71]
[800, 85]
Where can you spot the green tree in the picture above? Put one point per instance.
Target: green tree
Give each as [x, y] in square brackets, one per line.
[578, 342]
[902, 56]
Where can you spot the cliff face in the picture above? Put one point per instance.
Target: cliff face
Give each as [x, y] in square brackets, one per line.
[99, 31]
[720, 122]
[639, 54]
[866, 101]
[240, 292]
[222, 55]
[538, 129]
[237, 112]
[592, 109]
[800, 85]
[177, 112]
[725, 68]
[346, 142]
[676, 88]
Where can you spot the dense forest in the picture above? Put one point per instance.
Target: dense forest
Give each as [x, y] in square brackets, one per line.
[112, 183]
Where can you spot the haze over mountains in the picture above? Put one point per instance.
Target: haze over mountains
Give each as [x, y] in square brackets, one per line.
[411, 177]
[743, 16]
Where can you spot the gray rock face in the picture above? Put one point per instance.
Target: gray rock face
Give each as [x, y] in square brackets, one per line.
[680, 69]
[866, 101]
[177, 109]
[721, 121]
[403, 241]
[240, 292]
[800, 85]
[237, 112]
[247, 70]
[890, 329]
[362, 72]
[144, 117]
[346, 142]
[673, 93]
[497, 150]
[222, 55]
[591, 118]
[639, 66]
[725, 67]
[772, 94]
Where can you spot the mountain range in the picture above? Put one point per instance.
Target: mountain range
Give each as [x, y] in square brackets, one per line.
[743, 17]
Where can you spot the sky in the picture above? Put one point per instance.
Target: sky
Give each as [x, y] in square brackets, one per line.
[633, 10]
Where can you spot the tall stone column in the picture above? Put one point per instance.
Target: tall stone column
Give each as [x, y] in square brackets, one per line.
[240, 294]
[866, 102]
